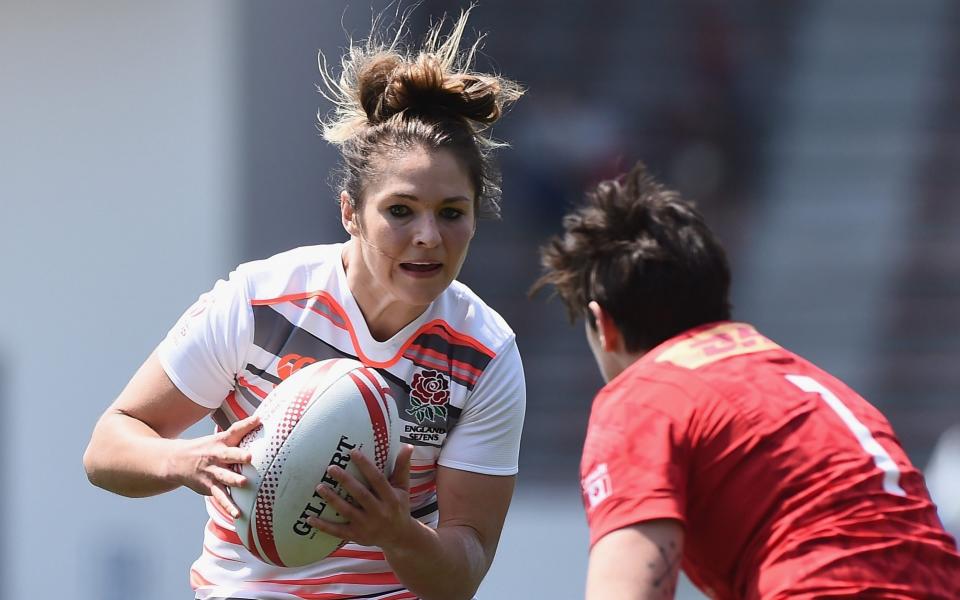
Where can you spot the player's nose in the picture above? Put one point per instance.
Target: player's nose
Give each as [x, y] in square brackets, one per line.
[426, 233]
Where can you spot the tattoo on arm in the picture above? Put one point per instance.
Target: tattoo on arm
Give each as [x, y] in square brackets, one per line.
[666, 570]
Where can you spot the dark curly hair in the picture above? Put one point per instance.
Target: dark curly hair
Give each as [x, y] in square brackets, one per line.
[645, 255]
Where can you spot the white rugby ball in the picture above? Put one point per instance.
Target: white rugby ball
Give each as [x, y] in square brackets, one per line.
[310, 421]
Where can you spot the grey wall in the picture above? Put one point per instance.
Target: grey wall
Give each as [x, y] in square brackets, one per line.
[115, 211]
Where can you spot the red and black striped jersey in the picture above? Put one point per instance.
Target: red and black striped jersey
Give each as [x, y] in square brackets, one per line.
[454, 372]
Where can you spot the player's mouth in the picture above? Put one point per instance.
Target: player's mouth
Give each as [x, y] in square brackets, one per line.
[427, 268]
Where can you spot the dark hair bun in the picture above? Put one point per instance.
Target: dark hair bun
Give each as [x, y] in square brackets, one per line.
[389, 86]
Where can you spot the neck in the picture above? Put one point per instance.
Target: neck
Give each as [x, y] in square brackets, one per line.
[620, 362]
[384, 314]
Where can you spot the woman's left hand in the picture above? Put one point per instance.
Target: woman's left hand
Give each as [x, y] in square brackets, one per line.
[378, 513]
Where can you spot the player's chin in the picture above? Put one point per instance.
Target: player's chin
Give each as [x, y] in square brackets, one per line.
[421, 293]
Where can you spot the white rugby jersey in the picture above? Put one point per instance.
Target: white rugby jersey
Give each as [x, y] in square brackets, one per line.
[454, 372]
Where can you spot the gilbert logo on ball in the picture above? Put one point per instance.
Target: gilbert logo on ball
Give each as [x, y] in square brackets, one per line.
[310, 421]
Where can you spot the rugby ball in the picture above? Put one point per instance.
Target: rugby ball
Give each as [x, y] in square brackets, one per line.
[311, 420]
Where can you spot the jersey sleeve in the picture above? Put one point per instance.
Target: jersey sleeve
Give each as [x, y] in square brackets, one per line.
[486, 439]
[208, 345]
[635, 460]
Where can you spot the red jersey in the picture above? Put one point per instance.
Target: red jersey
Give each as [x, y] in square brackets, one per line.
[788, 483]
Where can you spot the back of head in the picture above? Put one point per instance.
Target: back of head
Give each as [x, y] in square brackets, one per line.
[645, 255]
[389, 99]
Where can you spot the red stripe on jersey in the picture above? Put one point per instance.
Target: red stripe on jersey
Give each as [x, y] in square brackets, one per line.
[344, 325]
[262, 394]
[381, 437]
[329, 314]
[419, 489]
[197, 580]
[418, 350]
[225, 535]
[321, 296]
[404, 595]
[468, 372]
[447, 332]
[231, 401]
[470, 369]
[328, 596]
[386, 578]
[287, 298]
[423, 467]
[458, 369]
[427, 362]
[207, 550]
[358, 554]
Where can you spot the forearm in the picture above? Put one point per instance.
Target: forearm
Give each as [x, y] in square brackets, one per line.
[127, 457]
[440, 564]
[638, 562]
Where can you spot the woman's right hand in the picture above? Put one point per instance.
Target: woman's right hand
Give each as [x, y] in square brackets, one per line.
[205, 464]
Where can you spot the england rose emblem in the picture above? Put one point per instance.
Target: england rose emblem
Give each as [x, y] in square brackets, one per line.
[429, 394]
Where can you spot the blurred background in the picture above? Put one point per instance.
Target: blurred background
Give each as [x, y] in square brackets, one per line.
[148, 148]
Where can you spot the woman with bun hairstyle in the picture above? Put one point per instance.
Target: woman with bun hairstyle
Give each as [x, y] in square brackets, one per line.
[416, 175]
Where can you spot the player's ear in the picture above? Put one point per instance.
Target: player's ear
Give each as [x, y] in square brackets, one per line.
[607, 332]
[348, 215]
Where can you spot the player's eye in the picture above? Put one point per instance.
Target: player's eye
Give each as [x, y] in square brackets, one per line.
[448, 212]
[399, 210]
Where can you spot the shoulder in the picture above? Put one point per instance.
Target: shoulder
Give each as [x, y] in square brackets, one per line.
[716, 359]
[650, 386]
[463, 311]
[300, 270]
